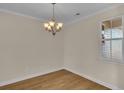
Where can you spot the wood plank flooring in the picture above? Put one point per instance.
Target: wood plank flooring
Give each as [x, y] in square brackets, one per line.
[59, 80]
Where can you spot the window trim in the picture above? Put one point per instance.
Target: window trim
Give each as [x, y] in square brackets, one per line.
[108, 60]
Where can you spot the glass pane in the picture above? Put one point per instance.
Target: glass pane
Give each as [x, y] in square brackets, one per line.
[116, 22]
[117, 31]
[106, 29]
[117, 49]
[106, 24]
[107, 33]
[106, 49]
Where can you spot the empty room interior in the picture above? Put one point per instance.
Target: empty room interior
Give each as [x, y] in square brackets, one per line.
[61, 46]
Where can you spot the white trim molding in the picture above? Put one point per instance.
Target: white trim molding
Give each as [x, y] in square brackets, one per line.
[111, 86]
[66, 24]
[20, 14]
[27, 77]
[111, 60]
[93, 14]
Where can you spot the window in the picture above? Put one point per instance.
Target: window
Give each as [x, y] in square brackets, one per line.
[112, 39]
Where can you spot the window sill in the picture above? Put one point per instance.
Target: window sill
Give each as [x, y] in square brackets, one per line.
[107, 60]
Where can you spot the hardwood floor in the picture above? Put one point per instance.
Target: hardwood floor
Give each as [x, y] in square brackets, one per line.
[59, 80]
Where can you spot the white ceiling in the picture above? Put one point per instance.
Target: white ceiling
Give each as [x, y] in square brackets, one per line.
[64, 12]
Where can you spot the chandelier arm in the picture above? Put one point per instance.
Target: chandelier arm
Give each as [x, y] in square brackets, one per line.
[53, 31]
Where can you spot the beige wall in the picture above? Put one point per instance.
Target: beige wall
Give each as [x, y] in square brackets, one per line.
[26, 48]
[82, 50]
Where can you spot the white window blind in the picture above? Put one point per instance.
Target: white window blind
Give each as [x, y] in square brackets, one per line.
[112, 39]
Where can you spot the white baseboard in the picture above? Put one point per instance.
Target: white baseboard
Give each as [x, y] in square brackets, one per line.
[27, 77]
[113, 87]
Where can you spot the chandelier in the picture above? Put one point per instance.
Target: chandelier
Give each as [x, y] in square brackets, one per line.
[53, 26]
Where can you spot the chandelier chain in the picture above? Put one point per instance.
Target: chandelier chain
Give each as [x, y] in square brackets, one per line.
[53, 11]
